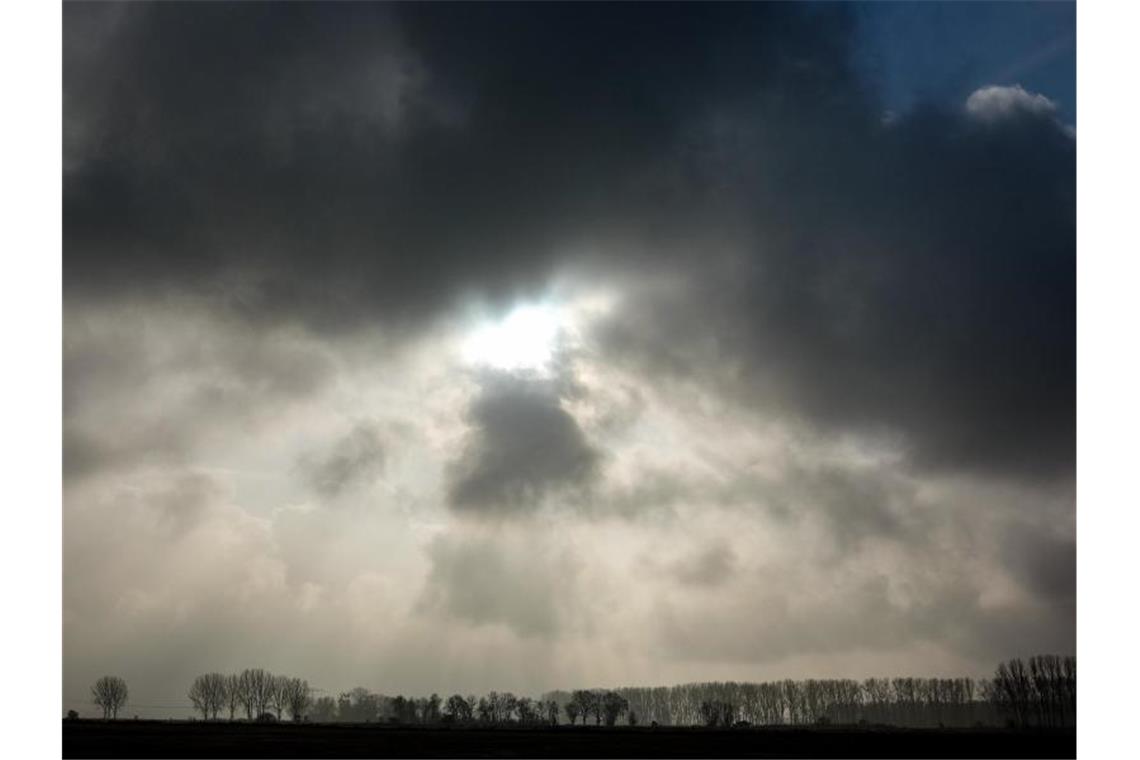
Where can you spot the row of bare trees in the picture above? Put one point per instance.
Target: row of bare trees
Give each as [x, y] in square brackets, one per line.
[602, 705]
[253, 691]
[363, 706]
[1042, 691]
[895, 701]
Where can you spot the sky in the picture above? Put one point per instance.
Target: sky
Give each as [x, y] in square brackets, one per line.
[449, 348]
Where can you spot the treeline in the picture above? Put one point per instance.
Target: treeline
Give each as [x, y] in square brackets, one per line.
[895, 701]
[1040, 691]
[602, 705]
[496, 708]
[255, 692]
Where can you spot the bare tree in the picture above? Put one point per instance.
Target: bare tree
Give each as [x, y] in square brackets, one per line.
[360, 705]
[209, 693]
[296, 695]
[573, 709]
[277, 696]
[255, 688]
[245, 692]
[525, 708]
[508, 705]
[199, 696]
[551, 711]
[472, 706]
[233, 693]
[324, 710]
[458, 709]
[110, 694]
[614, 706]
[588, 703]
[261, 690]
[595, 706]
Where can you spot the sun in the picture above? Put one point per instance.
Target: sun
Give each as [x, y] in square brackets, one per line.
[523, 340]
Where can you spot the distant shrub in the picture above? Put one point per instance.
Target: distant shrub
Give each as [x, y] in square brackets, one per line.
[267, 717]
[72, 715]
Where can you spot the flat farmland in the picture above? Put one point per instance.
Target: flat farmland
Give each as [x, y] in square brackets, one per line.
[184, 739]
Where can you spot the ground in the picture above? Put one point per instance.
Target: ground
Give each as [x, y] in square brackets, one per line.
[129, 738]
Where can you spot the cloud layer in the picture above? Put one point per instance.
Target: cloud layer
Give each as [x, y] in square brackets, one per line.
[810, 406]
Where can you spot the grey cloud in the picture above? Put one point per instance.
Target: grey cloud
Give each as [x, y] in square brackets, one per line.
[487, 581]
[150, 381]
[851, 503]
[524, 446]
[358, 458]
[1044, 563]
[914, 280]
[781, 622]
[87, 453]
[186, 500]
[855, 503]
[712, 566]
[770, 628]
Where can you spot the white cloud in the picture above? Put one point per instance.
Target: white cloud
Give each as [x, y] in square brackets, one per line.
[995, 102]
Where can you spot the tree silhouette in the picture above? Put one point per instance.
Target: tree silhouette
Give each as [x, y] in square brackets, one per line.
[614, 706]
[276, 696]
[551, 711]
[324, 710]
[594, 706]
[233, 693]
[296, 695]
[573, 709]
[1039, 691]
[110, 694]
[457, 709]
[209, 693]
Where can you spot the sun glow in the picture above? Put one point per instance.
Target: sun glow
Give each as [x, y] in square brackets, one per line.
[524, 339]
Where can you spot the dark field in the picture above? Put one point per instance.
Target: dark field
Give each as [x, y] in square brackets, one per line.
[209, 740]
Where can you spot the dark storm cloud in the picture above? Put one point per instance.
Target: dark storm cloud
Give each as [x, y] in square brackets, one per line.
[357, 458]
[1045, 564]
[331, 164]
[325, 163]
[523, 447]
[912, 278]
